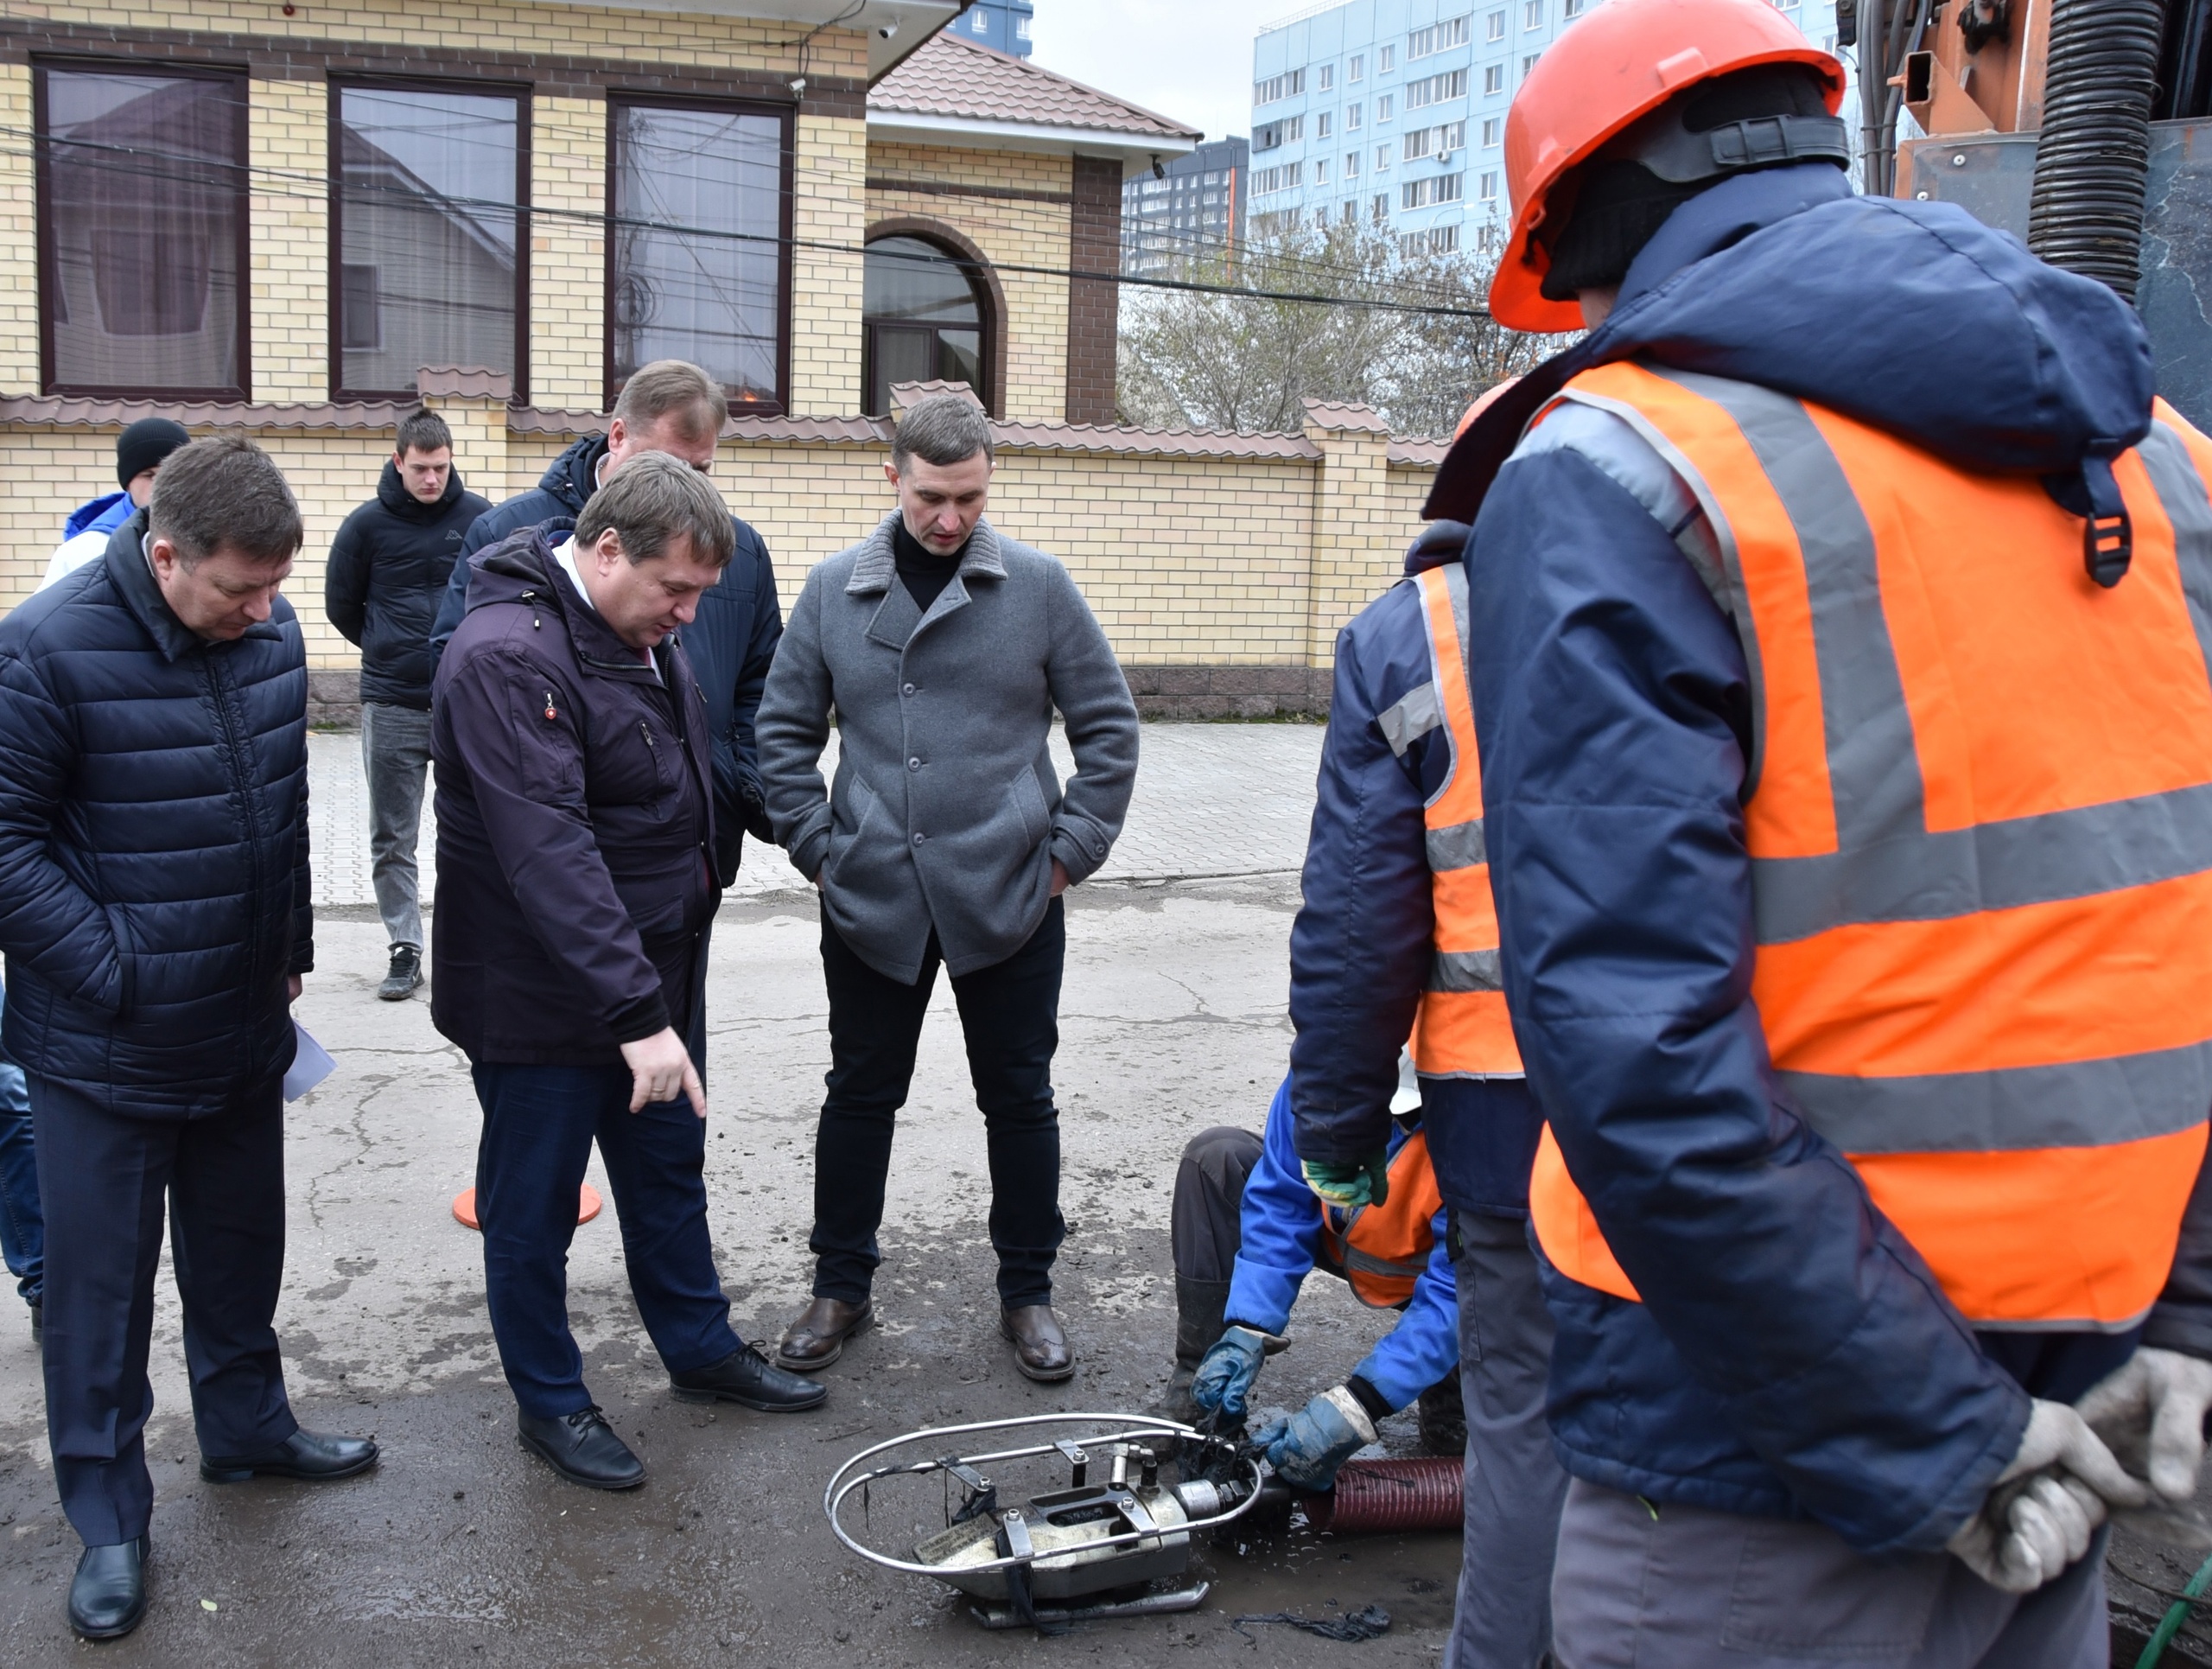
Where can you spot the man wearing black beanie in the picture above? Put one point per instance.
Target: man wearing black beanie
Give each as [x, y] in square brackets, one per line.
[138, 454]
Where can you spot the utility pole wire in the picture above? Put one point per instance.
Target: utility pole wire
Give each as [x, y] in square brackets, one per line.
[318, 188]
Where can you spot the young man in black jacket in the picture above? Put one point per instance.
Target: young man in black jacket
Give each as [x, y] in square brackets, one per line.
[389, 566]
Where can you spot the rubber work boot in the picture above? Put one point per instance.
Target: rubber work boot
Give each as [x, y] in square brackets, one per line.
[107, 1597]
[1201, 1313]
[406, 976]
[1443, 1417]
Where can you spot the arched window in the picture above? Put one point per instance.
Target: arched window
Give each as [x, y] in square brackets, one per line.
[927, 315]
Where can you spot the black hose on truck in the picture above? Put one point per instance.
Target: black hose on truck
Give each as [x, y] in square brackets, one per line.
[2094, 155]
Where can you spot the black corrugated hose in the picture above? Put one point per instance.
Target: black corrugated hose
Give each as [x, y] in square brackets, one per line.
[2095, 151]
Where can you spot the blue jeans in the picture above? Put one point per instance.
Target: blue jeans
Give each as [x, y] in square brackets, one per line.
[539, 1125]
[22, 1226]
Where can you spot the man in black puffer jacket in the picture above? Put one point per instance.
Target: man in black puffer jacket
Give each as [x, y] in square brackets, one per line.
[388, 568]
[156, 915]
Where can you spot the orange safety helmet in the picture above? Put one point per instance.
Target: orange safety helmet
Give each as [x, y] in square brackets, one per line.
[1620, 62]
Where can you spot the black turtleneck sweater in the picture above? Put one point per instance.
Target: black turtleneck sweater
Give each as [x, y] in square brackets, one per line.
[921, 571]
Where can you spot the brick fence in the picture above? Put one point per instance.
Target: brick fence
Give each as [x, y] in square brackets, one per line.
[1222, 566]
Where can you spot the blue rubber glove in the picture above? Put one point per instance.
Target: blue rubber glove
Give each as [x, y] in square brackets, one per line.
[1362, 1182]
[1225, 1373]
[1306, 1448]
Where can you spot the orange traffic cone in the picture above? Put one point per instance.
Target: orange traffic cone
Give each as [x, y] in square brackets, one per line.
[464, 1206]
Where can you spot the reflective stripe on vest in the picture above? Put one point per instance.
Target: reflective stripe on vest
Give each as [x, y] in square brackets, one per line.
[1461, 1029]
[1979, 814]
[1383, 1249]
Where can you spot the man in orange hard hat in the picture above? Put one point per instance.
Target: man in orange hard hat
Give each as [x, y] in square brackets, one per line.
[1838, 645]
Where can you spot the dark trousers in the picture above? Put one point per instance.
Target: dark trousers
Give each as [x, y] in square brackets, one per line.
[1515, 1488]
[103, 1179]
[23, 1227]
[1009, 1016]
[539, 1124]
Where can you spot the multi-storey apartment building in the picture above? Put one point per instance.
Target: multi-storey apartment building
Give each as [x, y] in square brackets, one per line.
[1190, 207]
[1002, 25]
[1393, 111]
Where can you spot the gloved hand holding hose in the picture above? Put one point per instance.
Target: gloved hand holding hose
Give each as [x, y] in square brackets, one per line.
[2044, 1506]
[1306, 1448]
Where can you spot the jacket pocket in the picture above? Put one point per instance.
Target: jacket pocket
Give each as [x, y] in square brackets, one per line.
[126, 962]
[864, 808]
[1028, 802]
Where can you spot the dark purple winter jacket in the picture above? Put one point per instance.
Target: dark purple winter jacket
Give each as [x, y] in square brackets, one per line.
[575, 826]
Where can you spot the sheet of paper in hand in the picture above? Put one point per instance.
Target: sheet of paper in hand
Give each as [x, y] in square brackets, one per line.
[310, 1066]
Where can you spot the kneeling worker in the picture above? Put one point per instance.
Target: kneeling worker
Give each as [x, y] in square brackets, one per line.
[575, 834]
[1248, 1231]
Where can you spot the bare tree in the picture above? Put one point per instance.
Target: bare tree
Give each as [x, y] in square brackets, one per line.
[1249, 362]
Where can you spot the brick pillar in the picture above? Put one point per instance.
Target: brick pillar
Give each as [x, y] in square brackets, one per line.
[1358, 535]
[1094, 245]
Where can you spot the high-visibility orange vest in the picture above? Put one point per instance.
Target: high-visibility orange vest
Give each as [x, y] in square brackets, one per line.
[1383, 1249]
[1978, 813]
[1461, 1029]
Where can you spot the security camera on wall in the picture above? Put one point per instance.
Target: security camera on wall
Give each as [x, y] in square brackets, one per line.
[889, 29]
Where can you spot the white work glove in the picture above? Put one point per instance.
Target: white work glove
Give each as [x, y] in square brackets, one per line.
[2038, 1517]
[2151, 1414]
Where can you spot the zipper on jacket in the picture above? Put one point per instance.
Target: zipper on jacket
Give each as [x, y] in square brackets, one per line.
[217, 676]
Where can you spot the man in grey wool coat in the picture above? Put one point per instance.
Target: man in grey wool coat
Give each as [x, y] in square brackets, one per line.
[943, 647]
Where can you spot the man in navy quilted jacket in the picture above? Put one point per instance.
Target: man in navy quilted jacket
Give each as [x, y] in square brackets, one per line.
[156, 915]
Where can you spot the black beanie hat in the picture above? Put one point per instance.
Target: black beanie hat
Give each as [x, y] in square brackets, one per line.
[1619, 205]
[144, 445]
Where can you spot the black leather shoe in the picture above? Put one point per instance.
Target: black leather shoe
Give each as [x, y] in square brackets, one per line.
[582, 1448]
[308, 1455]
[745, 1376]
[107, 1598]
[38, 1325]
[817, 1338]
[1041, 1349]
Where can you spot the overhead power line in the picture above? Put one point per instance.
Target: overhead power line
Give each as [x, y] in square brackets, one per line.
[178, 167]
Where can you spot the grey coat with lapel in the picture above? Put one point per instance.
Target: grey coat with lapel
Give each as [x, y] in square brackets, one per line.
[946, 812]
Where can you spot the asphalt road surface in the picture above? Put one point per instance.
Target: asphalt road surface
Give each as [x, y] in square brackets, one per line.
[461, 1548]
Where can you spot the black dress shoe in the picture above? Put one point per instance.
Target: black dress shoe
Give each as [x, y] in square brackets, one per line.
[583, 1448]
[38, 1324]
[107, 1598]
[1041, 1349]
[308, 1455]
[745, 1376]
[817, 1338]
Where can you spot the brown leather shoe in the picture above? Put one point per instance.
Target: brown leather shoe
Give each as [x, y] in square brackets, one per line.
[1040, 1350]
[817, 1338]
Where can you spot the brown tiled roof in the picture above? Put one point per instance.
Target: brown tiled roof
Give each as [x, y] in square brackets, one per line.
[949, 76]
[1344, 415]
[1414, 451]
[69, 411]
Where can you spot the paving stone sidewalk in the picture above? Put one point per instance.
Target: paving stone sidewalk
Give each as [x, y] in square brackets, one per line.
[1212, 799]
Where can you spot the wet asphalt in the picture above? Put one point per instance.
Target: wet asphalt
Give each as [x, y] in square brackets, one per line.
[461, 1548]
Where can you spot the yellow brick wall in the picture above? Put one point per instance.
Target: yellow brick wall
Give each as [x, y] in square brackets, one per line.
[610, 32]
[288, 146]
[1217, 562]
[18, 237]
[1009, 232]
[568, 256]
[828, 169]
